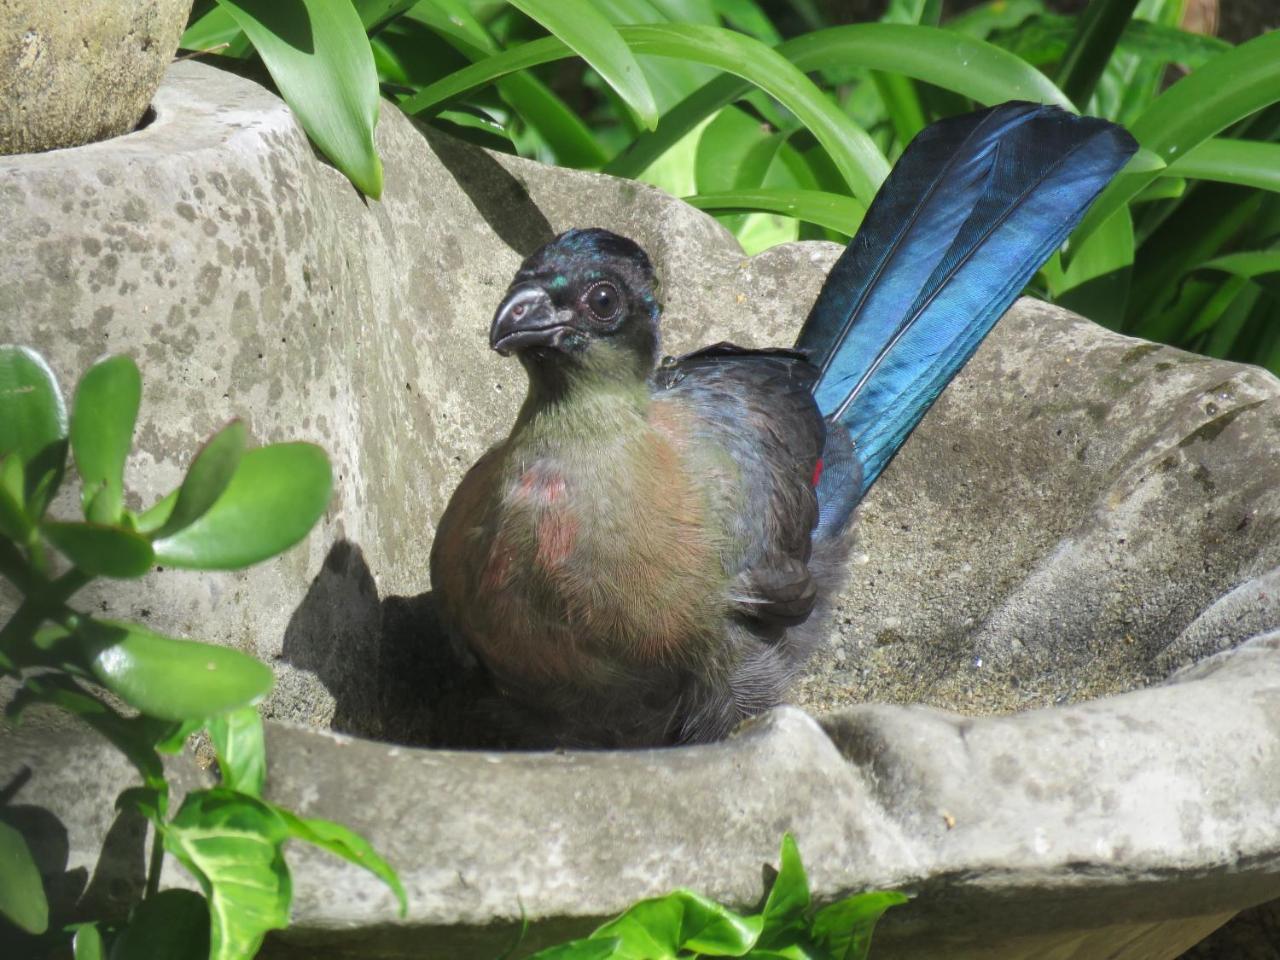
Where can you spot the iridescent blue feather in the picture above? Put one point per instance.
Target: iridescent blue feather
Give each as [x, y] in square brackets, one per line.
[973, 208]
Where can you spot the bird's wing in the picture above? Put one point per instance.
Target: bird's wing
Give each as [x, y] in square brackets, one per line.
[756, 408]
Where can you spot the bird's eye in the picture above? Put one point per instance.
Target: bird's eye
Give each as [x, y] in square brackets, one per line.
[603, 300]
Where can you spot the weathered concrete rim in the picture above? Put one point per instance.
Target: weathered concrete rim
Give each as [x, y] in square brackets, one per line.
[1063, 847]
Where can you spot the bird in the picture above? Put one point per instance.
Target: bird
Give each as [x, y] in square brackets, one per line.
[651, 555]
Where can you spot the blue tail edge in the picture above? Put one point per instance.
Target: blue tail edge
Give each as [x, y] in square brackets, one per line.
[973, 208]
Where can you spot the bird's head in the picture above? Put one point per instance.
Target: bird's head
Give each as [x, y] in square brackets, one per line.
[584, 305]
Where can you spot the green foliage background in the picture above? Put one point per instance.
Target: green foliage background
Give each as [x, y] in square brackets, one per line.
[783, 124]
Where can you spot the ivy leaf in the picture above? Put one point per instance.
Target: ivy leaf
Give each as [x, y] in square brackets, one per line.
[590, 949]
[232, 844]
[348, 845]
[845, 927]
[789, 896]
[661, 928]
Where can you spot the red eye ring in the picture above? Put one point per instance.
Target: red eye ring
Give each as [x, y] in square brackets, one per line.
[603, 300]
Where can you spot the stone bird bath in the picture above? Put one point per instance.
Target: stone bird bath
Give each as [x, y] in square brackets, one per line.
[1050, 704]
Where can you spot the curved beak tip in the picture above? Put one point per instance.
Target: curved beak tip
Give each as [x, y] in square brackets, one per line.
[526, 318]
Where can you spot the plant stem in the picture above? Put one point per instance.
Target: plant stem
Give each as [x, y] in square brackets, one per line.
[156, 863]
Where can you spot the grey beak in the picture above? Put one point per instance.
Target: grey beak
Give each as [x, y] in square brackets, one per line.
[526, 318]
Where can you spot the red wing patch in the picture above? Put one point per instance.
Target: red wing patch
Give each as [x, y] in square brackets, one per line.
[557, 534]
[817, 473]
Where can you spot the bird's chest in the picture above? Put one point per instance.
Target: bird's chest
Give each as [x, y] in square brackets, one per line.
[607, 557]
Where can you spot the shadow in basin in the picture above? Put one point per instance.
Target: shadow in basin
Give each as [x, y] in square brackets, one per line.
[391, 669]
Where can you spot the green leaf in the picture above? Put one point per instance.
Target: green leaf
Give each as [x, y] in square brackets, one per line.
[1098, 31]
[319, 57]
[747, 16]
[148, 802]
[274, 499]
[33, 423]
[853, 152]
[845, 927]
[670, 80]
[1214, 314]
[660, 928]
[207, 478]
[22, 898]
[217, 31]
[974, 68]
[348, 845]
[996, 15]
[1096, 284]
[591, 949]
[591, 36]
[1247, 263]
[1247, 162]
[103, 415]
[242, 754]
[789, 896]
[171, 925]
[813, 206]
[376, 13]
[1166, 188]
[155, 517]
[571, 141]
[173, 739]
[100, 550]
[734, 150]
[14, 522]
[231, 844]
[171, 679]
[1202, 225]
[1161, 44]
[87, 943]
[129, 735]
[1225, 90]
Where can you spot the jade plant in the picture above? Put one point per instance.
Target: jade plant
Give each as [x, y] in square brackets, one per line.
[144, 692]
[685, 924]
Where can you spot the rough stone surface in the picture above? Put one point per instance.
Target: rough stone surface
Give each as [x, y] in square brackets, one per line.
[1080, 514]
[1117, 828]
[74, 73]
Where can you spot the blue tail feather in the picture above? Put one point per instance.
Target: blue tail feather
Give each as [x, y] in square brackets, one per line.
[973, 208]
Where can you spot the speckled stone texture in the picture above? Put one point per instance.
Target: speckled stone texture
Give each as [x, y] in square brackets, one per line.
[73, 73]
[1080, 515]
